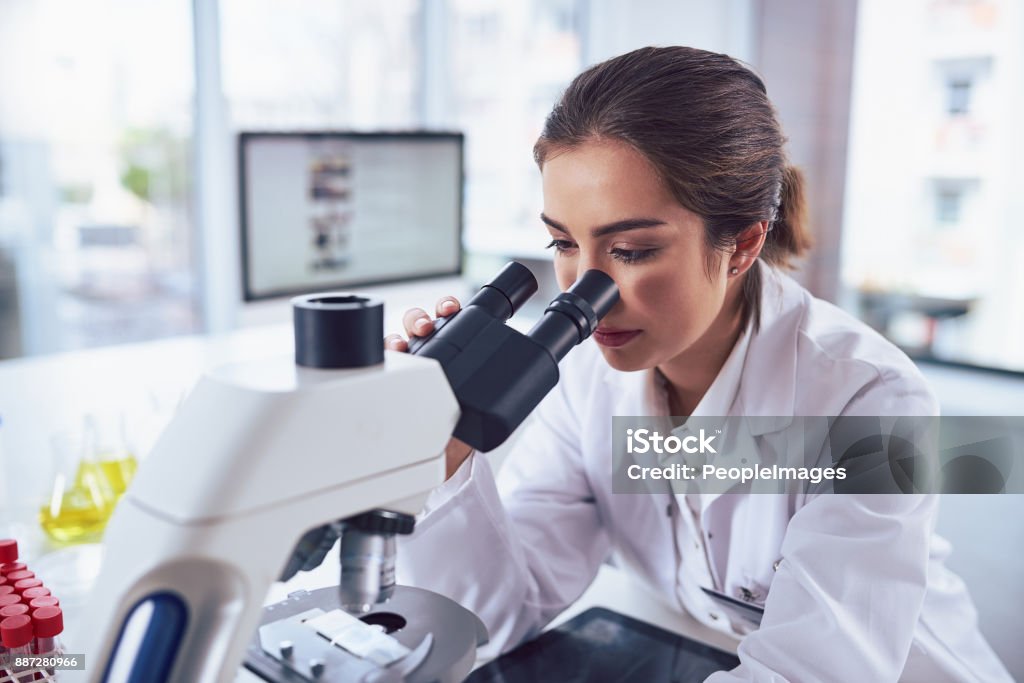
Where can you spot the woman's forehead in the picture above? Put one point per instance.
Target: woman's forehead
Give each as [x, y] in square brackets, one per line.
[601, 181]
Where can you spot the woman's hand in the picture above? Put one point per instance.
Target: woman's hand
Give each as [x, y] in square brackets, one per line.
[417, 323]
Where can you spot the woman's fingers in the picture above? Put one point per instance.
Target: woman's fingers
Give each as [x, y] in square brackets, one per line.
[416, 322]
[447, 305]
[395, 343]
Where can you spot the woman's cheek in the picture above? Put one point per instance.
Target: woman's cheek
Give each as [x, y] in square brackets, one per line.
[659, 295]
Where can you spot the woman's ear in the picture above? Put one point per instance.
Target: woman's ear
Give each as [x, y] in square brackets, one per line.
[748, 248]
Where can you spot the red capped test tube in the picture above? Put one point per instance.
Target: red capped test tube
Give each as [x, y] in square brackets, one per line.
[17, 635]
[15, 577]
[48, 601]
[6, 589]
[10, 567]
[8, 552]
[25, 584]
[14, 610]
[48, 624]
[30, 594]
[11, 599]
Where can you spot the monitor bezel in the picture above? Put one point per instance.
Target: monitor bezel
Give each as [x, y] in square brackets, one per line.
[246, 137]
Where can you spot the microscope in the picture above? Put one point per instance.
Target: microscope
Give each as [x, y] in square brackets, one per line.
[267, 462]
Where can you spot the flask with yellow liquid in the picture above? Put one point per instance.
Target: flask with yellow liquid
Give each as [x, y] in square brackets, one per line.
[92, 469]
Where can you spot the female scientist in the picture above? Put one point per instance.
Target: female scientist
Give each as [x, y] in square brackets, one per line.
[665, 169]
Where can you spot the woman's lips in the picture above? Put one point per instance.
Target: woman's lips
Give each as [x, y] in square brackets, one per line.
[610, 336]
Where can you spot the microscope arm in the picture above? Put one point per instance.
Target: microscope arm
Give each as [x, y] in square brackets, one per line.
[256, 455]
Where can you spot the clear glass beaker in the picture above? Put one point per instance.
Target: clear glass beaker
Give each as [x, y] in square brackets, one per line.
[106, 441]
[81, 495]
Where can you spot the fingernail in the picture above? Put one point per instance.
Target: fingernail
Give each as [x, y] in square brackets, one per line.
[421, 325]
[448, 307]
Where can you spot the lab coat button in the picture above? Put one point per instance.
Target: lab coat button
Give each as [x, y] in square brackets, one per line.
[714, 617]
[775, 565]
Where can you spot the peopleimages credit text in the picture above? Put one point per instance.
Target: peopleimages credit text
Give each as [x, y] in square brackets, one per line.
[815, 475]
[645, 441]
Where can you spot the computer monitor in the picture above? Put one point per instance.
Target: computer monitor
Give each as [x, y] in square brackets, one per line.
[331, 210]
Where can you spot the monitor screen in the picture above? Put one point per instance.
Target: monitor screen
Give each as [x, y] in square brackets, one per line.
[324, 211]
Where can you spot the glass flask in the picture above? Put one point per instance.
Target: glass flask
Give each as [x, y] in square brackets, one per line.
[81, 494]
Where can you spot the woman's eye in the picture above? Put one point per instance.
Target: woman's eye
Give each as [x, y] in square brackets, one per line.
[561, 246]
[633, 255]
[621, 255]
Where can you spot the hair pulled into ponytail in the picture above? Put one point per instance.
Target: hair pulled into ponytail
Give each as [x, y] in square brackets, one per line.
[705, 123]
[789, 236]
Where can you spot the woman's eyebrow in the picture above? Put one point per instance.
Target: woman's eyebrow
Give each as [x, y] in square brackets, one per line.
[618, 226]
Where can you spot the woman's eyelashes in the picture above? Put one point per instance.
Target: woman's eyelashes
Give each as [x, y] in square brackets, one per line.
[561, 246]
[623, 255]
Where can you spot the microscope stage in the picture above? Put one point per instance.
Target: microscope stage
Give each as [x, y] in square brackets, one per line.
[436, 640]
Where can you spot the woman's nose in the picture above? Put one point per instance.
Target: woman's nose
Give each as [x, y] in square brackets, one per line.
[585, 263]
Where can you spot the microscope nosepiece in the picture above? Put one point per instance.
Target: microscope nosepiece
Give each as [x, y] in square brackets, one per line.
[367, 554]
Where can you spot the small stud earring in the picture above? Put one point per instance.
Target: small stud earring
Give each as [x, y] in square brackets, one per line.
[734, 270]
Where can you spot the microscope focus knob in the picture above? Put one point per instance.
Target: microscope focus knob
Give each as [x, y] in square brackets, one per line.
[383, 522]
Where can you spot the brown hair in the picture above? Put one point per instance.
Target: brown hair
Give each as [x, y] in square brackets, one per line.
[704, 122]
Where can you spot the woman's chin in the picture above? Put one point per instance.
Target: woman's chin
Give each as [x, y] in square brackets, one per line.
[621, 361]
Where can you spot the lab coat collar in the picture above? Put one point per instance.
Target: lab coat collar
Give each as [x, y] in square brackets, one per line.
[767, 383]
[768, 388]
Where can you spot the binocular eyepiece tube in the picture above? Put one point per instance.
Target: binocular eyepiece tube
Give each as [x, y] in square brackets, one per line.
[570, 318]
[573, 315]
[498, 374]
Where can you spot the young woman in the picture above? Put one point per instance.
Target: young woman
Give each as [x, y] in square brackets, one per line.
[665, 169]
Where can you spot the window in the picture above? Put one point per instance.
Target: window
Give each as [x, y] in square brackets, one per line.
[931, 248]
[95, 132]
[509, 63]
[321, 64]
[954, 201]
[959, 93]
[948, 206]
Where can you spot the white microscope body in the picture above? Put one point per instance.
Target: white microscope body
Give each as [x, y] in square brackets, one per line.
[257, 454]
[262, 452]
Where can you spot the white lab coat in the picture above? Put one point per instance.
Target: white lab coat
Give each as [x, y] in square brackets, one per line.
[855, 586]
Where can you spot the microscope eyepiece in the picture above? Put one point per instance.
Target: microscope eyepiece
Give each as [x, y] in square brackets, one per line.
[506, 292]
[516, 283]
[573, 315]
[496, 301]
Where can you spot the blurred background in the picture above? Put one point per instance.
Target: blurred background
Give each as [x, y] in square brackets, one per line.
[120, 179]
[118, 201]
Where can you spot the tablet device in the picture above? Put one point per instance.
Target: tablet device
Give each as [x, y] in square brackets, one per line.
[600, 646]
